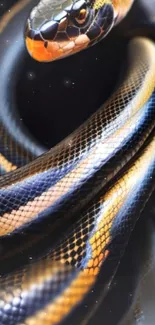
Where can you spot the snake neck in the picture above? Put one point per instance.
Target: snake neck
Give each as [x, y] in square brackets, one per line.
[121, 8]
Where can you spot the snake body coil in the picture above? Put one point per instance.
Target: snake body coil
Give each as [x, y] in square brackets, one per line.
[115, 147]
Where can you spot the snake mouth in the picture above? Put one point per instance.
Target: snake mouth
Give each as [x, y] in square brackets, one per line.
[47, 51]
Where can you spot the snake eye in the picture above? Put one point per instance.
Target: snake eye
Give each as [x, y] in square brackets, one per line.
[79, 12]
[81, 16]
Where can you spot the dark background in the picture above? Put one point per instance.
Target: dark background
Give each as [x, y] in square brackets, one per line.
[54, 98]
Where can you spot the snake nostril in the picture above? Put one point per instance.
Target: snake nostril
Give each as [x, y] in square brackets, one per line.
[49, 30]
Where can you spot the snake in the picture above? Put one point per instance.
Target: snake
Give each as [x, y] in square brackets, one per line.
[94, 184]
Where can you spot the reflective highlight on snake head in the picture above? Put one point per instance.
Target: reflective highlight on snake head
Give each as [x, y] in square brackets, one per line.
[67, 27]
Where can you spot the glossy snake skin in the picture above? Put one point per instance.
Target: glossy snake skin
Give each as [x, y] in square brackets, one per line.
[98, 179]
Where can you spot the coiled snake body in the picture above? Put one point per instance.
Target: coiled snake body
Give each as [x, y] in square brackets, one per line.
[113, 150]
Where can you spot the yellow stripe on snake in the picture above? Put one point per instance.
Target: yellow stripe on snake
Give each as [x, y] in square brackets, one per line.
[98, 179]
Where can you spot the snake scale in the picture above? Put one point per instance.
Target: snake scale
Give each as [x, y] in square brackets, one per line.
[103, 173]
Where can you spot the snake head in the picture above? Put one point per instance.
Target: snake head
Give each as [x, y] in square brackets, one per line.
[59, 30]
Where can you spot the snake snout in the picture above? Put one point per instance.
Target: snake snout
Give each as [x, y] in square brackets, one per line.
[37, 41]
